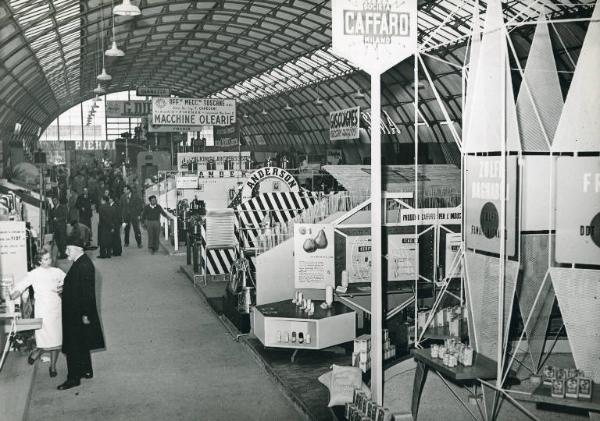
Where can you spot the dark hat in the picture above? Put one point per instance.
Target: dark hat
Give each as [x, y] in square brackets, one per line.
[74, 241]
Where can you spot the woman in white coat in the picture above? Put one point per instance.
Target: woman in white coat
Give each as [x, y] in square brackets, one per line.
[47, 282]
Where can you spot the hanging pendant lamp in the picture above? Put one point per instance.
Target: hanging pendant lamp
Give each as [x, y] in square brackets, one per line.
[104, 77]
[127, 9]
[99, 90]
[114, 50]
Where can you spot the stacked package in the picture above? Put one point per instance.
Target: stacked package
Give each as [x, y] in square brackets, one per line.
[450, 317]
[568, 383]
[361, 357]
[453, 353]
[364, 409]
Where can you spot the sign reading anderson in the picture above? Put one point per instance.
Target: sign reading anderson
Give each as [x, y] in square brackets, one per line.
[193, 112]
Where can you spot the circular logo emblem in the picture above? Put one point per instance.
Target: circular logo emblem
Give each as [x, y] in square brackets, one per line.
[595, 226]
[160, 103]
[489, 220]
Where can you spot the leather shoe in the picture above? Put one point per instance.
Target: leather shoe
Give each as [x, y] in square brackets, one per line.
[52, 372]
[88, 375]
[69, 384]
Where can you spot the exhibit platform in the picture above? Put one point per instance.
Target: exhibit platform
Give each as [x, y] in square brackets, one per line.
[16, 380]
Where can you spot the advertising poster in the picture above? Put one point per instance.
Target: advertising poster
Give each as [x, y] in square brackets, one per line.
[13, 251]
[313, 256]
[453, 241]
[186, 181]
[227, 136]
[334, 156]
[402, 257]
[344, 124]
[152, 91]
[358, 258]
[210, 161]
[193, 112]
[285, 181]
[578, 210]
[374, 35]
[483, 187]
[128, 109]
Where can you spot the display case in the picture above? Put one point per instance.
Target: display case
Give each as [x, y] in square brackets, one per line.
[284, 325]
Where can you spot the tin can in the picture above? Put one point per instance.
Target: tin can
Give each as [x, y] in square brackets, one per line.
[468, 357]
[435, 351]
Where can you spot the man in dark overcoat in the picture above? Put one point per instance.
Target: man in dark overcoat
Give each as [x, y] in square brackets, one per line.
[117, 219]
[105, 228]
[82, 331]
[84, 206]
[131, 210]
[59, 215]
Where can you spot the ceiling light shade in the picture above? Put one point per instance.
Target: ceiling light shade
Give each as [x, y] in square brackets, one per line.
[127, 9]
[99, 90]
[104, 77]
[264, 112]
[287, 107]
[97, 98]
[245, 115]
[358, 94]
[318, 101]
[114, 51]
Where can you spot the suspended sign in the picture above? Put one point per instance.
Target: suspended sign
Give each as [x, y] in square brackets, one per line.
[344, 124]
[128, 109]
[193, 112]
[186, 182]
[578, 210]
[227, 136]
[430, 216]
[265, 173]
[95, 145]
[376, 34]
[152, 91]
[210, 161]
[157, 128]
[484, 200]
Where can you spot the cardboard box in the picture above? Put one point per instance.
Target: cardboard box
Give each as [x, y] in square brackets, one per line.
[558, 388]
[585, 388]
[548, 375]
[572, 387]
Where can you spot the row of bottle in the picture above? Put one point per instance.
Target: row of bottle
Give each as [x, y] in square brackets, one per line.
[294, 337]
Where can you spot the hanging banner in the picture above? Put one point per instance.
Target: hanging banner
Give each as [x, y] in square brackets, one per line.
[157, 128]
[430, 216]
[483, 203]
[193, 112]
[95, 145]
[152, 91]
[313, 256]
[128, 109]
[578, 210]
[265, 173]
[196, 162]
[374, 35]
[344, 124]
[227, 136]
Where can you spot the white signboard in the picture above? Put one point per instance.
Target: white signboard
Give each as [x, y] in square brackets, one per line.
[452, 267]
[95, 145]
[127, 109]
[334, 156]
[578, 210]
[272, 173]
[402, 260]
[157, 128]
[430, 216]
[13, 250]
[152, 91]
[313, 256]
[202, 162]
[344, 124]
[376, 34]
[193, 112]
[358, 258]
[186, 182]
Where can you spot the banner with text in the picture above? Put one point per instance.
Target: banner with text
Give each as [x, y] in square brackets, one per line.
[314, 263]
[430, 216]
[227, 136]
[483, 200]
[128, 109]
[193, 112]
[195, 162]
[95, 145]
[344, 124]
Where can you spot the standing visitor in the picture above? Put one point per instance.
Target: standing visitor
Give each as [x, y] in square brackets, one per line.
[105, 228]
[47, 283]
[115, 238]
[80, 321]
[59, 216]
[131, 210]
[84, 206]
[151, 217]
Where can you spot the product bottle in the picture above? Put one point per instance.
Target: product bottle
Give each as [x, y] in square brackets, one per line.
[293, 337]
[300, 337]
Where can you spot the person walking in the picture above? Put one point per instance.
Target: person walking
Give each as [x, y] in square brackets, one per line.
[131, 210]
[82, 331]
[47, 283]
[105, 228]
[151, 217]
[115, 238]
[84, 206]
[59, 216]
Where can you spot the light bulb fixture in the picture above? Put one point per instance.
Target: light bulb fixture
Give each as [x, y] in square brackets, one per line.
[288, 108]
[358, 94]
[421, 84]
[318, 101]
[99, 90]
[245, 115]
[114, 50]
[264, 112]
[127, 9]
[104, 77]
[98, 98]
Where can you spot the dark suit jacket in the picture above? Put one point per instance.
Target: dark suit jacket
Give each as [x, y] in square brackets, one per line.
[131, 208]
[79, 299]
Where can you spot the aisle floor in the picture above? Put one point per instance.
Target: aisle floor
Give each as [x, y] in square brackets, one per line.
[168, 356]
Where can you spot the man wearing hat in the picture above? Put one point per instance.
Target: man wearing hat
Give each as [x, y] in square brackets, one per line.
[80, 322]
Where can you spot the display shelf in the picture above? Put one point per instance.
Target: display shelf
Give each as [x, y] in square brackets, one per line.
[542, 394]
[274, 324]
[392, 287]
[483, 368]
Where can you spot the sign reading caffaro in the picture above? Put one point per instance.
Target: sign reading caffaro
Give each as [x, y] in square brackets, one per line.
[374, 34]
[265, 173]
[343, 124]
[193, 112]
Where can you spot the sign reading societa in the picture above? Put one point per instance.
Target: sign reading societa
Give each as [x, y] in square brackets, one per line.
[374, 34]
[344, 124]
[193, 112]
[265, 173]
[126, 109]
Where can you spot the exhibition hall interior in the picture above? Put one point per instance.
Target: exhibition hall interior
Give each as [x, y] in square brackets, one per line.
[300, 210]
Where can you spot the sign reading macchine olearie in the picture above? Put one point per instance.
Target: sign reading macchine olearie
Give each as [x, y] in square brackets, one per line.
[193, 112]
[265, 173]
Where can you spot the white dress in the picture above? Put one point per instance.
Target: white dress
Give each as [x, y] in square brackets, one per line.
[46, 283]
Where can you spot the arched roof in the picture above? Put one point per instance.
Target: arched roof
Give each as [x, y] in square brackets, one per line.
[265, 53]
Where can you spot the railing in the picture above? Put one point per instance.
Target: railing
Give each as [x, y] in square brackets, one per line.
[166, 222]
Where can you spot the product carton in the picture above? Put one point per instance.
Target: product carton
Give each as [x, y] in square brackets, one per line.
[585, 388]
[548, 375]
[558, 388]
[572, 387]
